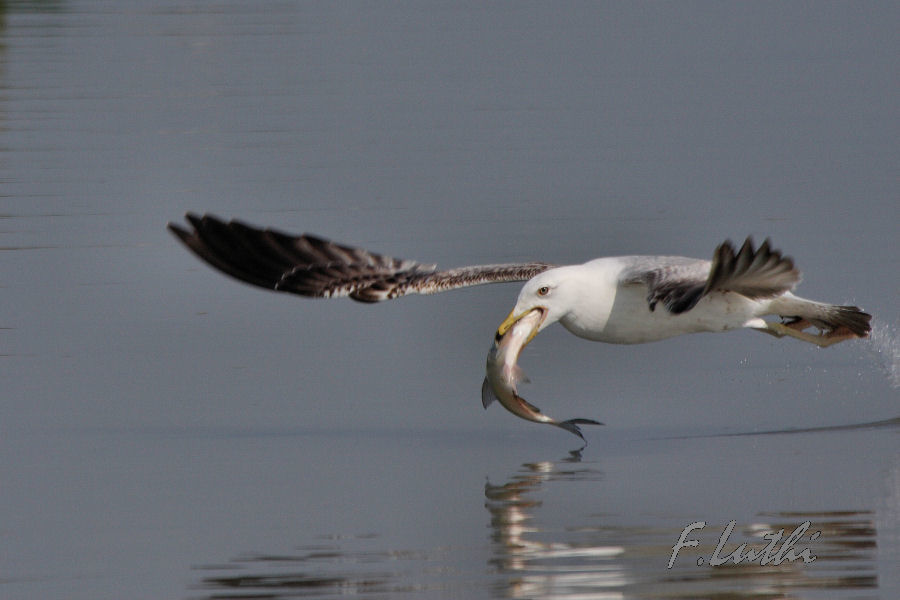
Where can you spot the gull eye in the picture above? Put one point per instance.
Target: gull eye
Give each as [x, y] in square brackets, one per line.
[543, 291]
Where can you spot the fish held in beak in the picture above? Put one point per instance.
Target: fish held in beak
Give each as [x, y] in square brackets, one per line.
[504, 374]
[538, 314]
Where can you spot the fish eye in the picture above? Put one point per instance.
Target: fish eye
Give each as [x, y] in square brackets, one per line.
[543, 291]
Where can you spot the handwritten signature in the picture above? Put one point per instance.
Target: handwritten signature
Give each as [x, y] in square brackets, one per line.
[771, 554]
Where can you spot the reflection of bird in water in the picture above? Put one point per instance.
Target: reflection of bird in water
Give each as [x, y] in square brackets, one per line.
[604, 555]
[619, 300]
[545, 566]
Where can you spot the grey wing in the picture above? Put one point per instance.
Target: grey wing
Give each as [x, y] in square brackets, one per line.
[679, 283]
[311, 266]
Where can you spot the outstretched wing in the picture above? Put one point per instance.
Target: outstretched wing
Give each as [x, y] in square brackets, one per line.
[679, 283]
[315, 267]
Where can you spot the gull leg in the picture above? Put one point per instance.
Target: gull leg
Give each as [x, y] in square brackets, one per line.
[839, 335]
[798, 324]
[791, 330]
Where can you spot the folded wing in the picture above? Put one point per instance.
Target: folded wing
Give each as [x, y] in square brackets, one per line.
[681, 283]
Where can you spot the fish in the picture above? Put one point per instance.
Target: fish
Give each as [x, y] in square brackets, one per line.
[503, 375]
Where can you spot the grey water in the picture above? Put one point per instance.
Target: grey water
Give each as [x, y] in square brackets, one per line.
[166, 432]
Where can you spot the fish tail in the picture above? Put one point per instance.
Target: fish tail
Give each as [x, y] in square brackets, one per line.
[572, 426]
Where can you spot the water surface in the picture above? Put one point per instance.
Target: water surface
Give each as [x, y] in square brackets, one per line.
[168, 433]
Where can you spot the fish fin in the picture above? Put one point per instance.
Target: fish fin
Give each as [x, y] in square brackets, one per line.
[528, 404]
[520, 375]
[572, 425]
[487, 394]
[517, 374]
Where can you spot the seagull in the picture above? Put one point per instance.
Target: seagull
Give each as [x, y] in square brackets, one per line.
[617, 300]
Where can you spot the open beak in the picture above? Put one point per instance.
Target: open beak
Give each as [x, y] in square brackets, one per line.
[513, 318]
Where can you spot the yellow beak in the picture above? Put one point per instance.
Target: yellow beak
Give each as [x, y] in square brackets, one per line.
[509, 322]
[513, 318]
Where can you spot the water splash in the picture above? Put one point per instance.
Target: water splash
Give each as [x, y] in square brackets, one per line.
[886, 344]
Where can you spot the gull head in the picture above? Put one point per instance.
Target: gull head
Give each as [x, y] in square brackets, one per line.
[549, 293]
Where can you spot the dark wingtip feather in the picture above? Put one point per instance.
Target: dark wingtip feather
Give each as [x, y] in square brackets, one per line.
[178, 231]
[197, 220]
